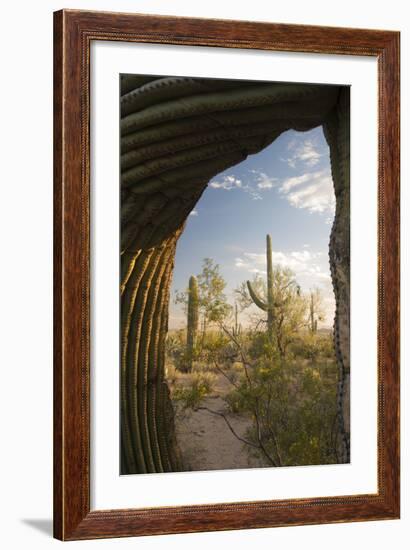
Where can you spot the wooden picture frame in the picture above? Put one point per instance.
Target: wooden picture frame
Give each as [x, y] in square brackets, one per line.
[73, 33]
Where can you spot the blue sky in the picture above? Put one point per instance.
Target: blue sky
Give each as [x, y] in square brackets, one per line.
[286, 190]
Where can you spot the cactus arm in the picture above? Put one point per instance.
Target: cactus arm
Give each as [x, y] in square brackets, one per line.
[260, 303]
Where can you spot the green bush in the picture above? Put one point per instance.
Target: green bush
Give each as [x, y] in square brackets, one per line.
[201, 385]
[312, 346]
[294, 411]
[261, 346]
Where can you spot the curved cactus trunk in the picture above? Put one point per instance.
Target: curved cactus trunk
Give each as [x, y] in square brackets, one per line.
[148, 445]
[192, 320]
[269, 304]
[337, 133]
[176, 134]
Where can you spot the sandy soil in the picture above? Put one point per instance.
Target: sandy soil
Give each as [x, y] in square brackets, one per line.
[206, 441]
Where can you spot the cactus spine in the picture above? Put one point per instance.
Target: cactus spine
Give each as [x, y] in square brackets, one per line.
[269, 304]
[193, 317]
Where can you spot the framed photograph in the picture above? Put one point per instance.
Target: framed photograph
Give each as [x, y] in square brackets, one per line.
[226, 275]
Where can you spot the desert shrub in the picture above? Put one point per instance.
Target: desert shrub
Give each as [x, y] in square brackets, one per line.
[175, 349]
[185, 359]
[215, 342]
[235, 401]
[327, 346]
[294, 412]
[177, 352]
[313, 346]
[190, 396]
[261, 346]
[172, 374]
[173, 343]
[219, 349]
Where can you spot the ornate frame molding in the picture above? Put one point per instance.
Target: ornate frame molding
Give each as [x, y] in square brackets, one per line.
[73, 32]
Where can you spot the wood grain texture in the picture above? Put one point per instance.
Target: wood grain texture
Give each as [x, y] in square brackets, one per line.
[58, 274]
[73, 32]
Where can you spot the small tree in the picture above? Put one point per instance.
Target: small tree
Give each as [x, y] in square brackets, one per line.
[212, 301]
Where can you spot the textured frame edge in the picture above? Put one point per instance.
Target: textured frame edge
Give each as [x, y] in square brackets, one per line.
[73, 31]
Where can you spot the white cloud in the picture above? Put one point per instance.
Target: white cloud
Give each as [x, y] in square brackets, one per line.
[313, 191]
[295, 181]
[259, 181]
[292, 144]
[254, 194]
[227, 183]
[311, 268]
[230, 182]
[193, 212]
[302, 153]
[263, 181]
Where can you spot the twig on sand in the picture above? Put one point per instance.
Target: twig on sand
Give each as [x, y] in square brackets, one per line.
[229, 426]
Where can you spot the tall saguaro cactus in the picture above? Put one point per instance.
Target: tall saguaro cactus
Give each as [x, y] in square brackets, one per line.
[269, 304]
[193, 317]
[312, 315]
[237, 328]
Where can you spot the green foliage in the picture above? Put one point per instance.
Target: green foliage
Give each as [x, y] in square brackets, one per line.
[200, 386]
[212, 302]
[294, 408]
[283, 379]
[261, 346]
[174, 343]
[214, 343]
[211, 290]
[176, 350]
[326, 346]
[313, 346]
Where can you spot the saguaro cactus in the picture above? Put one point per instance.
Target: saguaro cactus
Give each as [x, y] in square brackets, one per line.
[192, 320]
[237, 327]
[315, 311]
[269, 304]
[313, 321]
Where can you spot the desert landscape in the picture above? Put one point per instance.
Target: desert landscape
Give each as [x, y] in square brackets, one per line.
[259, 395]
